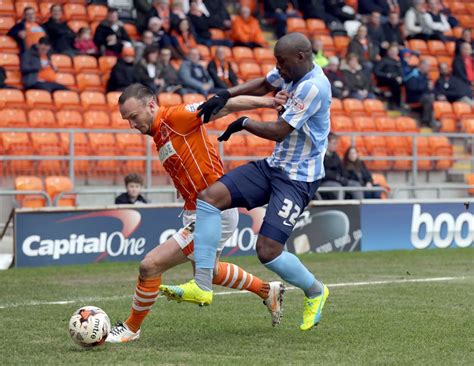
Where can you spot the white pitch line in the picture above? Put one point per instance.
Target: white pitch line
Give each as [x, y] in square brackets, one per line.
[226, 293]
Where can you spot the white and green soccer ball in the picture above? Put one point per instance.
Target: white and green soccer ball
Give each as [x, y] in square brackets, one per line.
[89, 326]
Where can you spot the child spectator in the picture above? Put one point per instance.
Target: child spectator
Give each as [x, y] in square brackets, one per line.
[133, 184]
[84, 43]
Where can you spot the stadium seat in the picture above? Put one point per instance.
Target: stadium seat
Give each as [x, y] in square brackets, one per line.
[374, 107]
[14, 79]
[364, 124]
[104, 144]
[267, 67]
[385, 124]
[45, 143]
[117, 121]
[169, 99]
[12, 98]
[336, 107]
[380, 180]
[6, 23]
[21, 5]
[193, 98]
[18, 143]
[379, 165]
[462, 110]
[96, 119]
[418, 45]
[204, 52]
[43, 118]
[89, 82]
[8, 45]
[10, 117]
[316, 27]
[399, 146]
[30, 183]
[353, 107]
[440, 146]
[65, 99]
[81, 148]
[36, 98]
[443, 109]
[296, 25]
[45, 9]
[406, 124]
[112, 100]
[75, 25]
[238, 147]
[341, 123]
[217, 34]
[466, 20]
[327, 41]
[132, 144]
[467, 125]
[250, 70]
[66, 79]
[222, 123]
[470, 182]
[423, 149]
[58, 184]
[85, 64]
[448, 125]
[437, 48]
[62, 62]
[93, 100]
[243, 54]
[106, 63]
[264, 55]
[7, 8]
[75, 12]
[132, 31]
[69, 119]
[9, 61]
[96, 12]
[343, 143]
[341, 43]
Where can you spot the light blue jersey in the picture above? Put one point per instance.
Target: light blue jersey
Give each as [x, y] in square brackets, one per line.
[301, 153]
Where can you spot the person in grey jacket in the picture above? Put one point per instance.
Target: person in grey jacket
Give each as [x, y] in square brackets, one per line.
[36, 68]
[195, 76]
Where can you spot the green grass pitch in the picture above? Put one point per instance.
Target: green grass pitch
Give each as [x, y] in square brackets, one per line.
[411, 323]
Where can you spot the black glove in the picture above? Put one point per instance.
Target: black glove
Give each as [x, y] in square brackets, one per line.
[236, 126]
[213, 105]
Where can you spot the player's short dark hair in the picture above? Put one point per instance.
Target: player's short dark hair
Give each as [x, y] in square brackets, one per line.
[133, 178]
[137, 91]
[332, 136]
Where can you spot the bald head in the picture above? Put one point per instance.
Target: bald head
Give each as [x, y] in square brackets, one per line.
[294, 43]
[294, 56]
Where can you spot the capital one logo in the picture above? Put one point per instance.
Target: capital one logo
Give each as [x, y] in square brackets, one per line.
[441, 230]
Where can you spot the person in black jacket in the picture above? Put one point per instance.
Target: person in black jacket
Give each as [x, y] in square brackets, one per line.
[201, 24]
[336, 78]
[336, 8]
[133, 184]
[376, 33]
[61, 36]
[451, 88]
[389, 73]
[368, 6]
[357, 81]
[365, 50]
[463, 64]
[27, 32]
[110, 35]
[466, 36]
[146, 72]
[358, 172]
[221, 71]
[279, 11]
[123, 73]
[336, 175]
[219, 17]
[143, 8]
[392, 30]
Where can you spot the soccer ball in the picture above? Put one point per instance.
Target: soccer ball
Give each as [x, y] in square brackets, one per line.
[89, 326]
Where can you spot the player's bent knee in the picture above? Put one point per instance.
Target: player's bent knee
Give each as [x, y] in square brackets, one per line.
[148, 268]
[268, 250]
[216, 195]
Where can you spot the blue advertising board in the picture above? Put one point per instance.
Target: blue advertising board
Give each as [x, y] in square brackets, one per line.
[392, 226]
[115, 234]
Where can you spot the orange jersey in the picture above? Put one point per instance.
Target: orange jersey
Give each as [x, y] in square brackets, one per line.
[185, 151]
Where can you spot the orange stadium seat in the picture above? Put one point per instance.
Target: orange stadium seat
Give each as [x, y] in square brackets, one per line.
[93, 100]
[43, 118]
[467, 125]
[374, 107]
[343, 143]
[448, 125]
[470, 8]
[75, 12]
[445, 59]
[423, 149]
[327, 41]
[66, 99]
[14, 79]
[66, 79]
[443, 109]
[10, 117]
[441, 147]
[75, 25]
[106, 63]
[81, 148]
[62, 62]
[462, 110]
[336, 107]
[380, 180]
[470, 182]
[353, 106]
[437, 48]
[117, 121]
[222, 123]
[45, 143]
[296, 25]
[58, 184]
[86, 64]
[364, 123]
[466, 20]
[96, 119]
[217, 34]
[341, 43]
[21, 5]
[18, 143]
[267, 67]
[69, 119]
[132, 144]
[45, 10]
[193, 98]
[12, 98]
[385, 124]
[341, 123]
[132, 31]
[6, 23]
[96, 12]
[90, 82]
[30, 183]
[7, 8]
[104, 144]
[169, 99]
[112, 100]
[399, 146]
[379, 165]
[406, 124]
[264, 55]
[204, 52]
[8, 45]
[238, 147]
[451, 48]
[9, 61]
[418, 45]
[316, 27]
[39, 99]
[243, 54]
[250, 70]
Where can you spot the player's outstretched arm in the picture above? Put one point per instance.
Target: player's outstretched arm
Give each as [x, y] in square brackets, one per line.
[274, 131]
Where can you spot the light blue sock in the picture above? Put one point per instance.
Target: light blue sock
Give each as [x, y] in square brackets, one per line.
[290, 268]
[207, 235]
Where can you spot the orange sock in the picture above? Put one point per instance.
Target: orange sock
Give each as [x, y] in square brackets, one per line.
[145, 296]
[231, 275]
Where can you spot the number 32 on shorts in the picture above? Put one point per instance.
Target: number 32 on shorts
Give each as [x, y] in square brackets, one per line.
[290, 212]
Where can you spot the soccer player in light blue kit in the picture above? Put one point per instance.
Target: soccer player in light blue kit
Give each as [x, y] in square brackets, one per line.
[286, 181]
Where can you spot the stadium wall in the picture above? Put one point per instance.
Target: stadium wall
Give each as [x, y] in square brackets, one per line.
[53, 236]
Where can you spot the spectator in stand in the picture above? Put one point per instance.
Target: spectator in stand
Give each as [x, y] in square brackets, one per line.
[201, 24]
[59, 33]
[84, 43]
[28, 31]
[147, 39]
[123, 73]
[358, 172]
[161, 9]
[436, 21]
[392, 30]
[221, 70]
[110, 36]
[143, 8]
[133, 184]
[335, 76]
[466, 36]
[419, 90]
[357, 81]
[177, 14]
[463, 65]
[195, 76]
[160, 36]
[453, 22]
[415, 21]
[219, 17]
[146, 72]
[280, 11]
[36, 68]
[339, 10]
[185, 37]
[319, 57]
[246, 30]
[336, 176]
[364, 49]
[451, 88]
[376, 33]
[166, 72]
[367, 7]
[389, 73]
[316, 9]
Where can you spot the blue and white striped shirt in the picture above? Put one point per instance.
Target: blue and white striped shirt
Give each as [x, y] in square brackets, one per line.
[301, 153]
